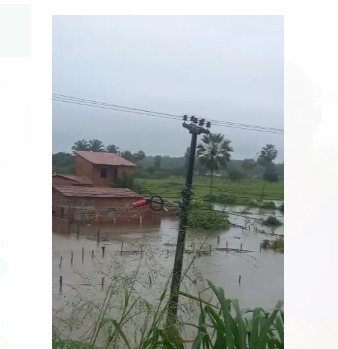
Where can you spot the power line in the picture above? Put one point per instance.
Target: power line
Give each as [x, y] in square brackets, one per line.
[96, 104]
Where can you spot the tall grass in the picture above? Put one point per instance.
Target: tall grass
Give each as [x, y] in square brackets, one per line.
[246, 191]
[222, 325]
[226, 326]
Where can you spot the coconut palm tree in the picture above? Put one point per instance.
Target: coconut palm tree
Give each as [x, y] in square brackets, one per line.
[81, 145]
[111, 148]
[96, 145]
[214, 152]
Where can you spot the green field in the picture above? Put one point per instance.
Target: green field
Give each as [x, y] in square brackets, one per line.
[244, 192]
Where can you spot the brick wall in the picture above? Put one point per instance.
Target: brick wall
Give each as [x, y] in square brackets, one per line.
[98, 181]
[127, 169]
[102, 210]
[113, 173]
[83, 167]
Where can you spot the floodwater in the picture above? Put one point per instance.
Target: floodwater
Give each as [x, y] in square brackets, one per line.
[149, 254]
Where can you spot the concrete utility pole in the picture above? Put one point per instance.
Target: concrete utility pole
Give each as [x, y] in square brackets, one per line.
[195, 130]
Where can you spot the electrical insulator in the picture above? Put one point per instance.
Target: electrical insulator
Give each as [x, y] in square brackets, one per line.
[208, 124]
[185, 117]
[201, 123]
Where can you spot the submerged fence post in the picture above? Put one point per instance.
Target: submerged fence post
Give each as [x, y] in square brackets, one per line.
[274, 246]
[210, 249]
[60, 284]
[141, 251]
[71, 258]
[122, 247]
[239, 279]
[98, 235]
[82, 253]
[78, 230]
[60, 262]
[103, 248]
[241, 247]
[102, 282]
[227, 246]
[92, 254]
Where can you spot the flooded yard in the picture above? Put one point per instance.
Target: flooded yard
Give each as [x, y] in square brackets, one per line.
[88, 271]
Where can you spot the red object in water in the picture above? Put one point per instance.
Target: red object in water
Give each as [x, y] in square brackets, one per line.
[140, 203]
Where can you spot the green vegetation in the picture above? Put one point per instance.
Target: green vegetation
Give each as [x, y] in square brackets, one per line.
[63, 163]
[281, 208]
[221, 325]
[266, 157]
[201, 216]
[268, 204]
[245, 192]
[277, 244]
[272, 221]
[214, 152]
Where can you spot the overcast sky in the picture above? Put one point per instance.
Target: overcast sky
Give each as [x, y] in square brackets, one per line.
[227, 68]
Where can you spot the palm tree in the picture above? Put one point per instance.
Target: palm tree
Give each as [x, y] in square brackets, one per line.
[81, 145]
[111, 148]
[96, 145]
[265, 158]
[214, 152]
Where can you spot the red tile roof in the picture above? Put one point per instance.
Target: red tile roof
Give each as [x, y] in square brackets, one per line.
[77, 179]
[95, 192]
[103, 158]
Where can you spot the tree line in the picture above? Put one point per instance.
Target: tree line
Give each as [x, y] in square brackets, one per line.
[213, 154]
[98, 146]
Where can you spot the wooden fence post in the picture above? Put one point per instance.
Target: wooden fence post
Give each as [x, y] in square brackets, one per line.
[98, 235]
[102, 282]
[241, 247]
[92, 254]
[71, 258]
[60, 262]
[60, 284]
[239, 279]
[103, 248]
[82, 253]
[122, 247]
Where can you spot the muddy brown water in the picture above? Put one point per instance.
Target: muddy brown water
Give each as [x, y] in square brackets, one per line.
[261, 272]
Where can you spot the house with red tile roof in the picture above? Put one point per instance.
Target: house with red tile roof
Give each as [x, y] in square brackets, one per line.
[101, 168]
[89, 196]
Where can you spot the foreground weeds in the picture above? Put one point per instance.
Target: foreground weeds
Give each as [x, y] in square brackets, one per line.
[221, 325]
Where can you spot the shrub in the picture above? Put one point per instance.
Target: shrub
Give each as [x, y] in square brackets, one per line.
[281, 207]
[273, 221]
[268, 204]
[202, 216]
